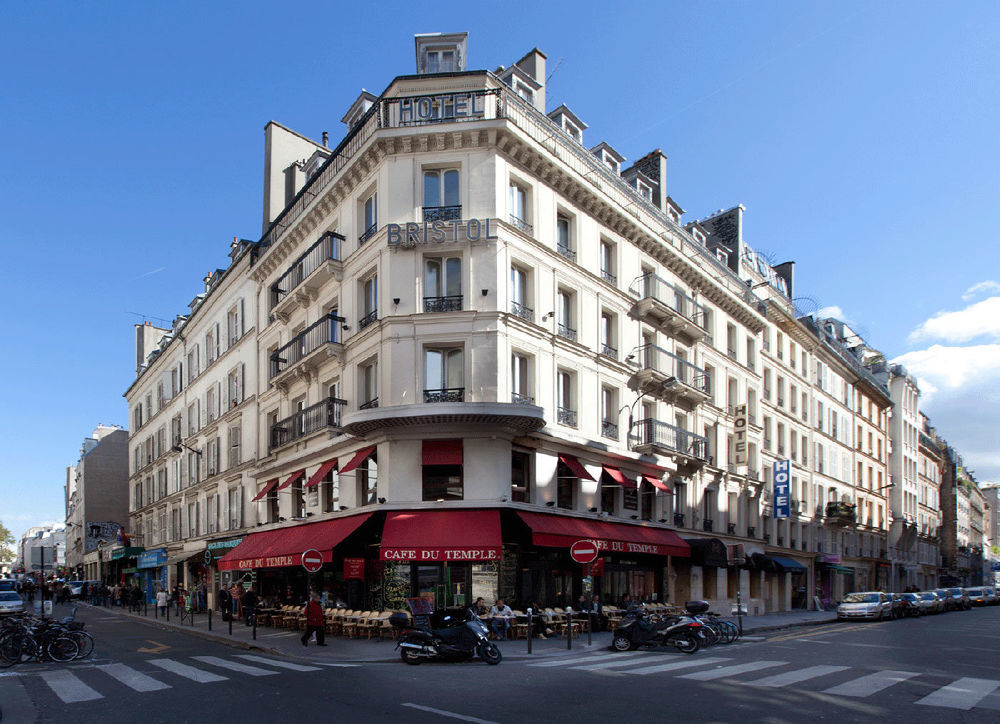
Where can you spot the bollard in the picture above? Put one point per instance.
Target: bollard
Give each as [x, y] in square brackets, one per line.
[145, 609]
[167, 609]
[569, 632]
[531, 630]
[254, 617]
[209, 619]
[590, 627]
[156, 612]
[230, 624]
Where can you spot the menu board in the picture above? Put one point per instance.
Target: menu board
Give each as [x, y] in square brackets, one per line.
[507, 587]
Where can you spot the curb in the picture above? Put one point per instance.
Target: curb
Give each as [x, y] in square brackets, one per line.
[782, 627]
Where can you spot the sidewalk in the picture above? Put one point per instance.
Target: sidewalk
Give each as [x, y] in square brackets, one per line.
[339, 650]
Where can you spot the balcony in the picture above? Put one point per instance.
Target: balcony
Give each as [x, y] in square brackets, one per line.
[566, 416]
[445, 394]
[609, 277]
[442, 213]
[566, 332]
[608, 351]
[368, 319]
[525, 313]
[840, 513]
[706, 525]
[519, 399]
[679, 520]
[371, 404]
[301, 282]
[653, 436]
[670, 378]
[368, 234]
[309, 349]
[518, 223]
[751, 531]
[668, 308]
[566, 252]
[731, 529]
[609, 429]
[321, 416]
[443, 304]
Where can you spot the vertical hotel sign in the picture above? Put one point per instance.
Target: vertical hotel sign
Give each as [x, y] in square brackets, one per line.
[740, 435]
[782, 505]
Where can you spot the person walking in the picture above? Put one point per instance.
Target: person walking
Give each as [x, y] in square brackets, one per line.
[225, 603]
[249, 604]
[162, 600]
[314, 622]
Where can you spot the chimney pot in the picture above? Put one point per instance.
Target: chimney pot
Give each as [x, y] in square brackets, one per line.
[326, 139]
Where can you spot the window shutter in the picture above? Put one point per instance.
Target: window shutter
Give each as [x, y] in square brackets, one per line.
[242, 325]
[243, 381]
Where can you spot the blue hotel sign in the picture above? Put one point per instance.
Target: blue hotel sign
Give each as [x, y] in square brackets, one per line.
[152, 559]
[782, 501]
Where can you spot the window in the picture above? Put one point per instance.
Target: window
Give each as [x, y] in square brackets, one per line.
[520, 381]
[272, 506]
[329, 490]
[780, 345]
[442, 284]
[235, 325]
[369, 217]
[440, 61]
[767, 384]
[442, 482]
[212, 346]
[235, 437]
[524, 92]
[213, 451]
[519, 298]
[609, 412]
[444, 375]
[609, 339]
[608, 262]
[235, 508]
[211, 411]
[566, 485]
[565, 318]
[731, 341]
[194, 514]
[609, 495]
[193, 363]
[520, 477]
[564, 239]
[213, 514]
[441, 200]
[298, 500]
[518, 205]
[368, 384]
[566, 398]
[194, 468]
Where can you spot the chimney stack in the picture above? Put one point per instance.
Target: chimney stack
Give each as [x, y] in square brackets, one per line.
[326, 139]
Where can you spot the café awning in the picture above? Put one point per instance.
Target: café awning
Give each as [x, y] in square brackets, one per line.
[284, 546]
[291, 479]
[442, 452]
[265, 490]
[708, 552]
[321, 473]
[788, 564]
[438, 536]
[656, 483]
[618, 476]
[575, 467]
[562, 531]
[359, 457]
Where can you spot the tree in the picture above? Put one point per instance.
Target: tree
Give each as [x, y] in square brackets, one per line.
[6, 540]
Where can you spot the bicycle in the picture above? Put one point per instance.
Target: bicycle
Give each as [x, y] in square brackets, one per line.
[41, 641]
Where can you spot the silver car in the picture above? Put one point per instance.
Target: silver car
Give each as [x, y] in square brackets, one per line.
[10, 602]
[866, 605]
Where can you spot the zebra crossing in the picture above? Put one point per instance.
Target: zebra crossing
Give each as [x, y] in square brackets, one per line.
[72, 686]
[963, 693]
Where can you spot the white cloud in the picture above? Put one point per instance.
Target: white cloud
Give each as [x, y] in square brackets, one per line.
[981, 319]
[944, 368]
[833, 311]
[980, 288]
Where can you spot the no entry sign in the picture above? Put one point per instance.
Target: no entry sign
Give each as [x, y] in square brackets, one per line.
[312, 560]
[583, 551]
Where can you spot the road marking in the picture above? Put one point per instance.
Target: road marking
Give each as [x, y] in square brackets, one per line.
[69, 688]
[133, 679]
[794, 677]
[275, 662]
[188, 672]
[156, 648]
[616, 661]
[727, 671]
[685, 664]
[451, 714]
[962, 694]
[871, 684]
[341, 666]
[234, 666]
[589, 657]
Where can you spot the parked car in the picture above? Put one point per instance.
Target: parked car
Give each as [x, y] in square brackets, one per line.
[991, 595]
[899, 605]
[949, 603]
[867, 604]
[932, 602]
[913, 605]
[977, 596]
[75, 587]
[10, 602]
[961, 598]
[8, 584]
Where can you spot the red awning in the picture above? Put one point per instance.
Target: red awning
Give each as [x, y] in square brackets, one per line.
[291, 479]
[442, 452]
[618, 476]
[575, 467]
[321, 473]
[265, 490]
[559, 531]
[656, 483]
[442, 535]
[285, 546]
[359, 457]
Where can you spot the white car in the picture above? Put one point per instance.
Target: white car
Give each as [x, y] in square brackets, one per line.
[868, 604]
[10, 602]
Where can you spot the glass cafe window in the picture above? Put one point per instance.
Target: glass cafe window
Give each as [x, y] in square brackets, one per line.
[441, 188]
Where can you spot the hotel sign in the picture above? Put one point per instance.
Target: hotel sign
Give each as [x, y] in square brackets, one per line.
[740, 435]
[440, 231]
[782, 502]
[441, 107]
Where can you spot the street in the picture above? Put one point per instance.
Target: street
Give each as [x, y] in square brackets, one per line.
[914, 669]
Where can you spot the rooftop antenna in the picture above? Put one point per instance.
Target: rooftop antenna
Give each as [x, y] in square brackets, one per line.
[805, 306]
[549, 77]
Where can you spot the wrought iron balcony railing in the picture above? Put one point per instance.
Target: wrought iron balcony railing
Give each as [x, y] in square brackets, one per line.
[609, 277]
[443, 304]
[324, 331]
[327, 248]
[519, 223]
[608, 351]
[568, 332]
[369, 405]
[323, 414]
[519, 399]
[566, 252]
[445, 394]
[525, 313]
[442, 213]
[368, 319]
[660, 360]
[609, 429]
[368, 234]
[654, 433]
[566, 416]
[650, 286]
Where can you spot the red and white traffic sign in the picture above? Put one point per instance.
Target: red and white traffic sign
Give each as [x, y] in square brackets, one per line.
[583, 551]
[312, 560]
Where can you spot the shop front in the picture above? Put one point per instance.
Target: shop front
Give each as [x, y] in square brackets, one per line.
[795, 575]
[151, 571]
[122, 565]
[214, 550]
[833, 579]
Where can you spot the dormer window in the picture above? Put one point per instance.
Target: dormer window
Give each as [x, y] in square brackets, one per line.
[525, 92]
[644, 189]
[608, 156]
[572, 130]
[569, 123]
[440, 61]
[438, 53]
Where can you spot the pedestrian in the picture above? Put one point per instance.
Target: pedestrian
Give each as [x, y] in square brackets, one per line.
[314, 622]
[225, 603]
[540, 621]
[162, 601]
[249, 604]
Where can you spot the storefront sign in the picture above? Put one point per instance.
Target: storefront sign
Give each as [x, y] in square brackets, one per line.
[218, 548]
[127, 552]
[830, 559]
[630, 498]
[440, 232]
[152, 559]
[266, 562]
[618, 546]
[740, 435]
[354, 568]
[435, 555]
[782, 504]
[440, 106]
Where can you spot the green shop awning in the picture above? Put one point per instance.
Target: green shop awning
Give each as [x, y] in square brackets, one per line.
[126, 552]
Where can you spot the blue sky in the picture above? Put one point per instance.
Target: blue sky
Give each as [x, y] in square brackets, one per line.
[862, 139]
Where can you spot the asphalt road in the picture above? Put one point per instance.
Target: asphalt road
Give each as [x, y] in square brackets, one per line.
[938, 668]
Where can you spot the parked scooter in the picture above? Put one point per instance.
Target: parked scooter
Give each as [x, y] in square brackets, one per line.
[637, 629]
[457, 641]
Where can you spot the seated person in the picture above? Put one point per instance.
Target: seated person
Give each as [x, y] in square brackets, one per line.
[501, 615]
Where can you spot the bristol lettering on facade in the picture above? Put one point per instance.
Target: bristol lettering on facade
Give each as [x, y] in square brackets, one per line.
[441, 107]
[439, 232]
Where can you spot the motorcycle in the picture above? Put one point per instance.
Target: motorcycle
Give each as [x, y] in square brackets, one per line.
[636, 629]
[456, 641]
